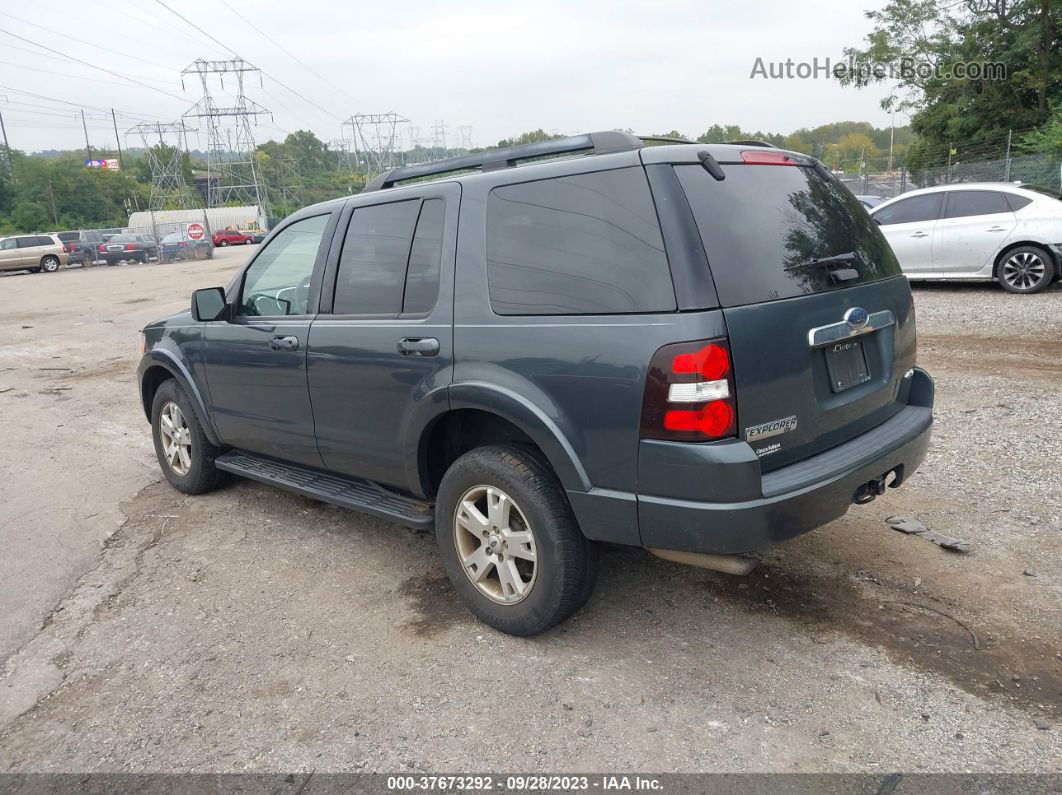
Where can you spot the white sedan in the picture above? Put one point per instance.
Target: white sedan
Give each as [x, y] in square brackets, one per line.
[976, 232]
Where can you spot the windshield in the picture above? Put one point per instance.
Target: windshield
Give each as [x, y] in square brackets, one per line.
[774, 232]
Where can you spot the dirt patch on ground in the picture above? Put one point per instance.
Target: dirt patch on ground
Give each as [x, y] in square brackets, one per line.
[1039, 359]
[437, 605]
[913, 628]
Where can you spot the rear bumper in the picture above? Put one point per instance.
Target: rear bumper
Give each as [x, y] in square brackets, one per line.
[791, 500]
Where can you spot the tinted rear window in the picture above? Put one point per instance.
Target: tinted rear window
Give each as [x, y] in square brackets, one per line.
[372, 267]
[966, 203]
[763, 225]
[585, 244]
[1017, 202]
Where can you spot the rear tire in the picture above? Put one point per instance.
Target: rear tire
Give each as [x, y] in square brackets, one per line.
[184, 453]
[1025, 270]
[509, 541]
[49, 264]
[223, 243]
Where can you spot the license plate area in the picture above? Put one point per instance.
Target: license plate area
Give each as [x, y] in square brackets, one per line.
[846, 363]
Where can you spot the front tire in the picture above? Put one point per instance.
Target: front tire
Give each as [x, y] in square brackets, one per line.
[1026, 269]
[50, 264]
[184, 453]
[223, 243]
[509, 541]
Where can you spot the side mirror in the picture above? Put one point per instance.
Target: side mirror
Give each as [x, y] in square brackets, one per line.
[208, 304]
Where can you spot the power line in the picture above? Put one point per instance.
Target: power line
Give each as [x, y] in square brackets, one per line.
[96, 45]
[60, 74]
[93, 66]
[67, 102]
[284, 50]
[263, 71]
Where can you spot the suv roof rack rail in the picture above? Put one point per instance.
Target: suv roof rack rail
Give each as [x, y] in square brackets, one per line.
[603, 142]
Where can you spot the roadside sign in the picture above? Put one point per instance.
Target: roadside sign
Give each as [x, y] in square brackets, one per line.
[110, 164]
[195, 231]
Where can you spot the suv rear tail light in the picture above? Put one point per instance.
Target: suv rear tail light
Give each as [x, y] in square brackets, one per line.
[689, 393]
[767, 157]
[130, 246]
[101, 248]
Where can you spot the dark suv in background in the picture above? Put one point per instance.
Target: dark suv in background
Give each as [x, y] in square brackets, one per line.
[697, 349]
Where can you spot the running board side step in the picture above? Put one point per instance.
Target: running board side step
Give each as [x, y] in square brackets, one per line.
[353, 493]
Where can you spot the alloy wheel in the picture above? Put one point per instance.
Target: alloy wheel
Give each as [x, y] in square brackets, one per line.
[1024, 270]
[495, 544]
[176, 438]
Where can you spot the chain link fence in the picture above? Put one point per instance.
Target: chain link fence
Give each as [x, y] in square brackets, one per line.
[1041, 170]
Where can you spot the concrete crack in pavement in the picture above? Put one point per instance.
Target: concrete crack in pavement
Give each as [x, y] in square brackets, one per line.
[32, 674]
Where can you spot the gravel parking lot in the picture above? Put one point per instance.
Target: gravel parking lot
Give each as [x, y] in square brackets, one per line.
[143, 630]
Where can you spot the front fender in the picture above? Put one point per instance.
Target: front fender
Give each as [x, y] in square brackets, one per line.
[162, 357]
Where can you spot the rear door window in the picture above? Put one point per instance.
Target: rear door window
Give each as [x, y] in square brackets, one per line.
[372, 266]
[966, 203]
[425, 258]
[586, 244]
[774, 232]
[917, 209]
[27, 242]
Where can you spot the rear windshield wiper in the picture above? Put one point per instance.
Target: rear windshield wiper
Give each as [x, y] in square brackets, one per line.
[839, 274]
[822, 262]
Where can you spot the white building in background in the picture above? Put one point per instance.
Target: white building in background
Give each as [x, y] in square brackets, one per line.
[217, 218]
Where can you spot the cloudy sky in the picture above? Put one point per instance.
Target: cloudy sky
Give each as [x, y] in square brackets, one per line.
[499, 68]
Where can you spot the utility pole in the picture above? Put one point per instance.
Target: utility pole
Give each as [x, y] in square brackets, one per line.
[892, 140]
[7, 149]
[117, 140]
[1010, 133]
[88, 147]
[51, 198]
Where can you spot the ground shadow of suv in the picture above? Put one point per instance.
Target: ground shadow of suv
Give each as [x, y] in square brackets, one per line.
[697, 349]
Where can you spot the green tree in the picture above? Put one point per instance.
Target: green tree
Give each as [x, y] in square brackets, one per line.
[979, 111]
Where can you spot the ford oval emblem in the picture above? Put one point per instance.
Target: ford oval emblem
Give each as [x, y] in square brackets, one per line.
[856, 317]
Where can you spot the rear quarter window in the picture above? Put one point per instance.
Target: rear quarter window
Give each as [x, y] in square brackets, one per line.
[764, 225]
[585, 244]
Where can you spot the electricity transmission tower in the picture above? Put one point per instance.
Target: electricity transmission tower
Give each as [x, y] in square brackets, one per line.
[290, 182]
[375, 136]
[166, 161]
[344, 155]
[233, 175]
[464, 137]
[438, 140]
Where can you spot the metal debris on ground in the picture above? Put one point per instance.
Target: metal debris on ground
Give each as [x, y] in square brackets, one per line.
[906, 524]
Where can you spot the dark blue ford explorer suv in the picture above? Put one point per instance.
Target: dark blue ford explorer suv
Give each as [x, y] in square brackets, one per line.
[697, 349]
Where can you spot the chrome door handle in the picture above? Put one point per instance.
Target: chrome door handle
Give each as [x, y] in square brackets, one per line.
[418, 346]
[996, 229]
[284, 343]
[920, 234]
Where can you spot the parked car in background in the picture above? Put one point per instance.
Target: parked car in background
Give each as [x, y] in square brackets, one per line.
[179, 246]
[976, 232]
[81, 245]
[258, 236]
[233, 237]
[128, 248]
[699, 349]
[869, 201]
[32, 253]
